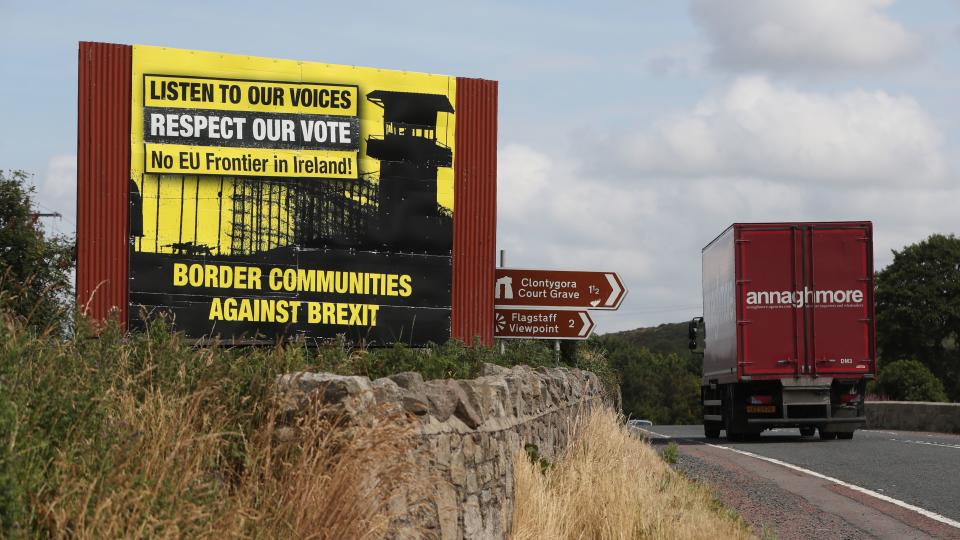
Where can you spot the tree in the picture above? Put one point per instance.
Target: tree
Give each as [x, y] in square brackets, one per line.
[34, 269]
[656, 387]
[910, 380]
[918, 308]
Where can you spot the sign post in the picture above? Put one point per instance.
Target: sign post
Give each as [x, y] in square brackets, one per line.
[503, 263]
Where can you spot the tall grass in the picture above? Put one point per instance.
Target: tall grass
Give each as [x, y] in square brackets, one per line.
[146, 436]
[609, 484]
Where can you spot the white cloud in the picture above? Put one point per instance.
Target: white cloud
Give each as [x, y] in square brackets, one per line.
[527, 173]
[686, 60]
[545, 196]
[57, 192]
[551, 216]
[756, 128]
[60, 180]
[808, 35]
[754, 152]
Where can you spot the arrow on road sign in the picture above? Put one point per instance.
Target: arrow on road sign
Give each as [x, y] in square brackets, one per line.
[616, 291]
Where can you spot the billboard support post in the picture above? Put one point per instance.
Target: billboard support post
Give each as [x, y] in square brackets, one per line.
[503, 264]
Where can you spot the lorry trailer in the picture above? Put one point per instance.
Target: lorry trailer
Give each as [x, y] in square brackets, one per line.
[787, 334]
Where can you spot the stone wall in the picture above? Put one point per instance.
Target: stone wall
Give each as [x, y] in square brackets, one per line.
[470, 431]
[913, 416]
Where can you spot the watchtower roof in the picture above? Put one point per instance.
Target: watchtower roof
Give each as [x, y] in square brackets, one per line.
[410, 107]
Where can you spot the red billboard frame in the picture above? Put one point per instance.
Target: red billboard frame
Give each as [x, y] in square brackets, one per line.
[103, 166]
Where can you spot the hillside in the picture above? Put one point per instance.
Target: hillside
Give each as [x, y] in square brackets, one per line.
[659, 377]
[663, 339]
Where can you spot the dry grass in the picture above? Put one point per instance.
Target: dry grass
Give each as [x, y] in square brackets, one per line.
[609, 484]
[170, 475]
[333, 480]
[146, 436]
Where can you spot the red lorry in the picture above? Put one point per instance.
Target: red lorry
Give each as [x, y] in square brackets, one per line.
[788, 328]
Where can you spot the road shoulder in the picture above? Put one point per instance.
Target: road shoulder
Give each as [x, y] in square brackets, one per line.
[781, 502]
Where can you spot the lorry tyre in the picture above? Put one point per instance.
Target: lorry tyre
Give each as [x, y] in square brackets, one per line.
[845, 435]
[711, 432]
[807, 431]
[732, 435]
[827, 435]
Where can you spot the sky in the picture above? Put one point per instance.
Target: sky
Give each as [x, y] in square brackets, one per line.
[630, 133]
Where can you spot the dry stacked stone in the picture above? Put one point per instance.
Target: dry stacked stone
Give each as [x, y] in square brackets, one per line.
[470, 433]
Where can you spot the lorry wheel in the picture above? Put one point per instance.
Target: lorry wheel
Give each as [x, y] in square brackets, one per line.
[845, 435]
[711, 432]
[732, 436]
[827, 435]
[807, 431]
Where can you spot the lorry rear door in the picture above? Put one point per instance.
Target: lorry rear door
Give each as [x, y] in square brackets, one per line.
[769, 271]
[839, 296]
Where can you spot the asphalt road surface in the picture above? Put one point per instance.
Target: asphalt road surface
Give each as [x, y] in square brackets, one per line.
[881, 484]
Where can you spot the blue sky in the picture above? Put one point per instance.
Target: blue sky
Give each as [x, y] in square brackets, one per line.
[631, 133]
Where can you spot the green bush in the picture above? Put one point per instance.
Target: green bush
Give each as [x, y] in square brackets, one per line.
[451, 360]
[662, 388]
[34, 268]
[910, 380]
[671, 453]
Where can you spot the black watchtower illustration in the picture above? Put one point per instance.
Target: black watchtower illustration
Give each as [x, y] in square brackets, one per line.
[410, 154]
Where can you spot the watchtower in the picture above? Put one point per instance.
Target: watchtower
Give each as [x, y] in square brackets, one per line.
[410, 155]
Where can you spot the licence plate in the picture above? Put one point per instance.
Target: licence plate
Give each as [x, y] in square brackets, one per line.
[761, 408]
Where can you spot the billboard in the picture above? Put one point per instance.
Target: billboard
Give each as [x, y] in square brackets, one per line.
[275, 197]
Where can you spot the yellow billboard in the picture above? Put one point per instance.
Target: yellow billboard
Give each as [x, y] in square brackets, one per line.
[265, 166]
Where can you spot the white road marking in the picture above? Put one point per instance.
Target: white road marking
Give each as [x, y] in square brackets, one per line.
[650, 434]
[916, 434]
[878, 431]
[944, 445]
[923, 512]
[653, 434]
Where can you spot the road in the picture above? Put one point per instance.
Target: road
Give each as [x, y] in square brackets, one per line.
[881, 484]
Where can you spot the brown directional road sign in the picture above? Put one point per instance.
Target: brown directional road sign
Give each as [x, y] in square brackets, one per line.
[542, 323]
[558, 288]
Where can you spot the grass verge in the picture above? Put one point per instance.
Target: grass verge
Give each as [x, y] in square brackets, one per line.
[146, 436]
[610, 484]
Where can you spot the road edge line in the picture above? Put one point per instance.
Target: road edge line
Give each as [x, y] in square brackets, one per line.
[653, 433]
[923, 512]
[897, 502]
